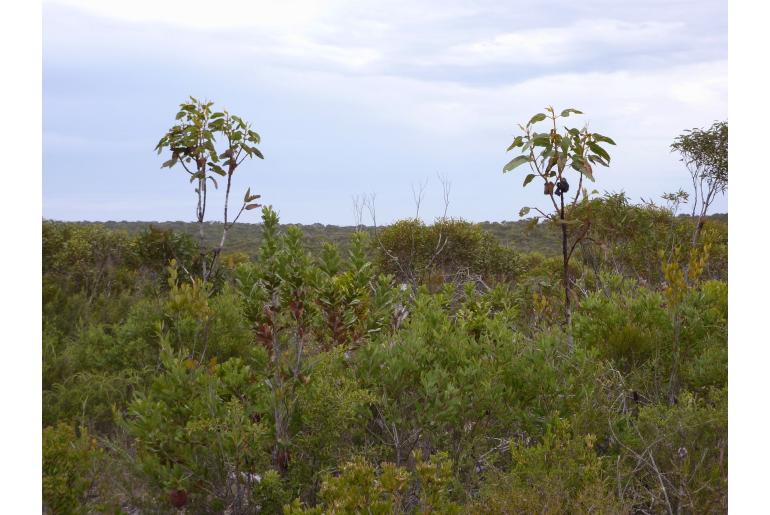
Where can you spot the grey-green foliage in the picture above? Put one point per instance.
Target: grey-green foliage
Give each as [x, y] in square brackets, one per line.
[309, 381]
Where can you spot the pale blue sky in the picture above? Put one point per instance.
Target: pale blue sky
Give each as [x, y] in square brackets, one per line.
[359, 97]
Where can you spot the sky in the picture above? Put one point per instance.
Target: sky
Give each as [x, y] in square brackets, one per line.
[361, 98]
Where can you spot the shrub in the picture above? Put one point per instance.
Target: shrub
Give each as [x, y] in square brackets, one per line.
[448, 250]
[560, 474]
[68, 468]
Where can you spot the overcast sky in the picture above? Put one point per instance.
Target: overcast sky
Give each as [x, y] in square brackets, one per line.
[360, 97]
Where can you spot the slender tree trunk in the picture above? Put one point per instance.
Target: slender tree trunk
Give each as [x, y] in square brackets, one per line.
[225, 227]
[698, 229]
[565, 279]
[201, 235]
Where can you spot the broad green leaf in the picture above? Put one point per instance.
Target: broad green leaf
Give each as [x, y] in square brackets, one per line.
[217, 169]
[599, 160]
[606, 139]
[567, 112]
[599, 151]
[528, 179]
[523, 211]
[517, 142]
[516, 161]
[539, 117]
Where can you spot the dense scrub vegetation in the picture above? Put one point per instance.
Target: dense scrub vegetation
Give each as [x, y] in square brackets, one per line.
[391, 374]
[413, 369]
[244, 238]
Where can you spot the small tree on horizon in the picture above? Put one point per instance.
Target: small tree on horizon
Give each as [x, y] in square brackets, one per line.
[550, 155]
[704, 153]
[192, 144]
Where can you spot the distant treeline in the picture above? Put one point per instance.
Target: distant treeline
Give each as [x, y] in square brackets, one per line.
[245, 237]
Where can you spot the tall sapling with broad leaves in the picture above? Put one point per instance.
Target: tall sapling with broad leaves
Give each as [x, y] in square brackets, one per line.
[550, 156]
[192, 144]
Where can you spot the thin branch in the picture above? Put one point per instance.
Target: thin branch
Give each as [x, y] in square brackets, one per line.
[418, 196]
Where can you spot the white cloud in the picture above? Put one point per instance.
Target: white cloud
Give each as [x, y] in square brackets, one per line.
[634, 101]
[562, 44]
[203, 14]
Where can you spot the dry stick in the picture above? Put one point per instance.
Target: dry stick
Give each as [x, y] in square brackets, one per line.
[418, 197]
[446, 188]
[370, 205]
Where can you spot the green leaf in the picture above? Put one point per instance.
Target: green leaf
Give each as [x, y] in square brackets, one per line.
[567, 112]
[605, 139]
[597, 159]
[539, 117]
[246, 196]
[516, 161]
[257, 152]
[517, 142]
[528, 179]
[588, 171]
[599, 151]
[214, 181]
[523, 211]
[217, 169]
[541, 140]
